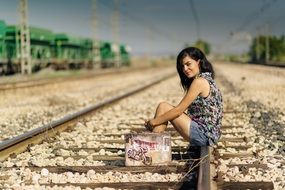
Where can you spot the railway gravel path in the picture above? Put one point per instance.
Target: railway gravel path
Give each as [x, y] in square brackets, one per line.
[25, 109]
[252, 147]
[89, 145]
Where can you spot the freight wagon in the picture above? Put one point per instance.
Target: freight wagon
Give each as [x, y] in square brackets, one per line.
[61, 51]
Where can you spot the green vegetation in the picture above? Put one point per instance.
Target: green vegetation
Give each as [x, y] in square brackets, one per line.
[257, 52]
[204, 46]
[237, 58]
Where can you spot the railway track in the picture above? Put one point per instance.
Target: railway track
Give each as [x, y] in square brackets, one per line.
[57, 126]
[37, 82]
[243, 158]
[90, 152]
[237, 143]
[104, 157]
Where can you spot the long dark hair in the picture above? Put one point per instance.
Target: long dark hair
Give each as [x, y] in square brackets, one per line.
[196, 54]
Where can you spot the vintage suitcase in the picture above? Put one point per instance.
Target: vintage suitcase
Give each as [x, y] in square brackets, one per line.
[147, 149]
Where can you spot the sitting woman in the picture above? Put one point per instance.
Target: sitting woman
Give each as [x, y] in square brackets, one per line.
[200, 125]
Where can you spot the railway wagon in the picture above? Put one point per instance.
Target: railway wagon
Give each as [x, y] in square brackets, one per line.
[112, 54]
[75, 52]
[62, 51]
[72, 52]
[3, 59]
[107, 54]
[125, 55]
[11, 50]
[87, 53]
[42, 50]
[40, 47]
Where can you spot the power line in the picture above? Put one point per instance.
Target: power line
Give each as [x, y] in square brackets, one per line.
[141, 22]
[273, 21]
[277, 19]
[249, 19]
[255, 15]
[192, 6]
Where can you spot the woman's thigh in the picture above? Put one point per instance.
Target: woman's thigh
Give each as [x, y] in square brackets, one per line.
[190, 131]
[197, 136]
[182, 125]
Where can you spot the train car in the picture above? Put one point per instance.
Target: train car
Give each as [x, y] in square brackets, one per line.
[3, 57]
[125, 55]
[113, 55]
[40, 45]
[12, 49]
[42, 50]
[87, 53]
[72, 52]
[62, 51]
[107, 54]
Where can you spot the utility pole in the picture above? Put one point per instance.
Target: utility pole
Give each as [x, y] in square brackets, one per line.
[25, 53]
[267, 45]
[116, 33]
[257, 48]
[197, 22]
[96, 58]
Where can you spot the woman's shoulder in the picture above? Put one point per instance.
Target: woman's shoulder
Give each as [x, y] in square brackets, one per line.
[200, 81]
[203, 79]
[202, 84]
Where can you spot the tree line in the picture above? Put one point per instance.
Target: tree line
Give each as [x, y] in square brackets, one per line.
[266, 49]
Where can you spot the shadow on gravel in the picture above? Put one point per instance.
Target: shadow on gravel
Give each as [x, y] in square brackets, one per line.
[266, 121]
[269, 124]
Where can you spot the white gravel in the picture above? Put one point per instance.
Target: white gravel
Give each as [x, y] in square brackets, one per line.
[262, 121]
[25, 109]
[260, 92]
[86, 134]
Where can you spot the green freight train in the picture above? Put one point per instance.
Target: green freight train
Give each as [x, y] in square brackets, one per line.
[61, 51]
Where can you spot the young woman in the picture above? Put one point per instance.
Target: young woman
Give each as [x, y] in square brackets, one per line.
[200, 124]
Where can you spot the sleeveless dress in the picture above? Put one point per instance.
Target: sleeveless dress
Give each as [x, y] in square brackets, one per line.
[208, 112]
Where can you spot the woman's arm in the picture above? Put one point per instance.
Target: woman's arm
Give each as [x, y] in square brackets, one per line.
[198, 86]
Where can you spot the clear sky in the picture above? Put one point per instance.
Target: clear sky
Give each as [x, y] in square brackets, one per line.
[159, 27]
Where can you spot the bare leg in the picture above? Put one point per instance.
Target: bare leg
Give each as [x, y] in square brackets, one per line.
[181, 123]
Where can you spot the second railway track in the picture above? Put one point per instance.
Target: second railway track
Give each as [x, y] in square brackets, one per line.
[15, 84]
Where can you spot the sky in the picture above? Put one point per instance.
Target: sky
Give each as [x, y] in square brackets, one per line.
[159, 27]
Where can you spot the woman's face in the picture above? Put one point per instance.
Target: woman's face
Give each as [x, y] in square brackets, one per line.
[190, 67]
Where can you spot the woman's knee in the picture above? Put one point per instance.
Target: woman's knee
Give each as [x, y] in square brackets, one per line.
[165, 106]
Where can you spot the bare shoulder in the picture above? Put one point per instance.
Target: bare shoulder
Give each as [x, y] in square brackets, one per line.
[200, 82]
[203, 85]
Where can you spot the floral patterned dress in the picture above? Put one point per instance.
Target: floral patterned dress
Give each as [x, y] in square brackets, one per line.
[208, 112]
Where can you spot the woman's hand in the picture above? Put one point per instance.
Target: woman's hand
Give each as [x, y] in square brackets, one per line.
[148, 125]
